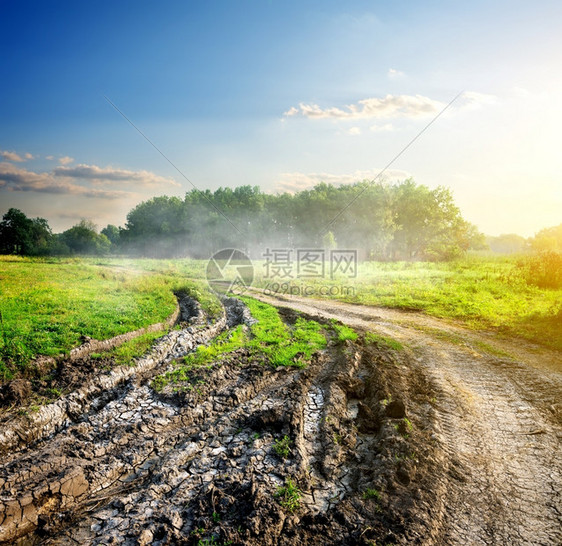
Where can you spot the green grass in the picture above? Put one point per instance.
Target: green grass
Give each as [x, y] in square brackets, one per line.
[269, 338]
[125, 353]
[370, 493]
[282, 447]
[383, 342]
[483, 292]
[46, 305]
[289, 496]
[281, 345]
[343, 332]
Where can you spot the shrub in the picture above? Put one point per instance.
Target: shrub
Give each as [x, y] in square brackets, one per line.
[543, 270]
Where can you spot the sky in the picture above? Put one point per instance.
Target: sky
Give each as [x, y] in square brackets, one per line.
[281, 94]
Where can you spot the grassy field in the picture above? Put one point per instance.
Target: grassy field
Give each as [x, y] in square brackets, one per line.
[47, 304]
[490, 293]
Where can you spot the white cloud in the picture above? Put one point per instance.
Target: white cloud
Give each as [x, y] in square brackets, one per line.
[297, 181]
[14, 178]
[354, 131]
[11, 156]
[394, 74]
[50, 157]
[391, 106]
[105, 175]
[80, 180]
[65, 160]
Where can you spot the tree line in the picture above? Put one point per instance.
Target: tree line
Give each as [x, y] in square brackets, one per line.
[401, 221]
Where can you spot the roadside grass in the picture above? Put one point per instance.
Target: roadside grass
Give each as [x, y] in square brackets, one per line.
[280, 344]
[269, 338]
[127, 352]
[383, 342]
[483, 292]
[343, 332]
[46, 305]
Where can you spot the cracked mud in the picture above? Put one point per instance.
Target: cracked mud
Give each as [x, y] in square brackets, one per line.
[438, 444]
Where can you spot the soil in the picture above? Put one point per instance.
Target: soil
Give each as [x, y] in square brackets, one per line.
[441, 443]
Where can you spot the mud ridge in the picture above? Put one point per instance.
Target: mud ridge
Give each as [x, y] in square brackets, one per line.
[203, 465]
[23, 430]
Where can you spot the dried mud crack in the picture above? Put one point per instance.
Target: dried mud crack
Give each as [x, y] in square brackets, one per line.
[432, 445]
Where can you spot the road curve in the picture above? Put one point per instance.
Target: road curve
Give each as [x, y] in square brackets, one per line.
[499, 421]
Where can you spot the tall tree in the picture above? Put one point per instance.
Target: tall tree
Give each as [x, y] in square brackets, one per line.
[22, 235]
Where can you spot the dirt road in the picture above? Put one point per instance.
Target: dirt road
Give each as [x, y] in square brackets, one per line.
[442, 443]
[499, 420]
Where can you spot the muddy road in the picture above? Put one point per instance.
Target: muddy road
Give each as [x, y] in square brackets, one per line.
[444, 442]
[498, 421]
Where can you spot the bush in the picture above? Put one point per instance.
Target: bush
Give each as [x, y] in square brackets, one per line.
[543, 270]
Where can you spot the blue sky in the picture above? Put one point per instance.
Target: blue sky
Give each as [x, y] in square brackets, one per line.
[280, 94]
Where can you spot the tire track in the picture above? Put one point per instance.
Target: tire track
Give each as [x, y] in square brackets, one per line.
[499, 428]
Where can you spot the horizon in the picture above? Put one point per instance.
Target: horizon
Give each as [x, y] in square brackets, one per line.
[282, 96]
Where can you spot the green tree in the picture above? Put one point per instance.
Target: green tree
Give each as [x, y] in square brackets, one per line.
[83, 238]
[112, 233]
[22, 235]
[548, 239]
[329, 241]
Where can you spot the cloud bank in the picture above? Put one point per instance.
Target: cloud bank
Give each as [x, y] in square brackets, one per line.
[82, 180]
[13, 156]
[105, 175]
[391, 106]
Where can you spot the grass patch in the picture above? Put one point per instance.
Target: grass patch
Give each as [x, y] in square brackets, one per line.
[46, 305]
[127, 352]
[269, 338]
[382, 342]
[371, 494]
[282, 447]
[343, 332]
[281, 345]
[483, 292]
[289, 496]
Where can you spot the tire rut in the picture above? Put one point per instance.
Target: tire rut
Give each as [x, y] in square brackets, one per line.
[498, 424]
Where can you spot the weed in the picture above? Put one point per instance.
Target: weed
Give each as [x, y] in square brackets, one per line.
[337, 438]
[370, 493]
[343, 332]
[383, 342]
[282, 447]
[216, 517]
[289, 496]
[404, 427]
